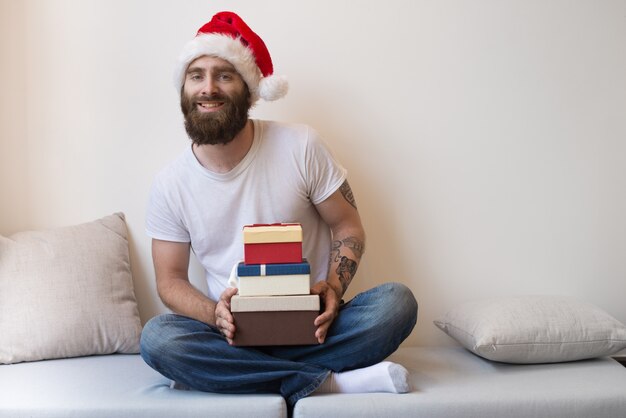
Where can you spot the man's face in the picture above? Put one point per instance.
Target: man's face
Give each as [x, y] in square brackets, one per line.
[215, 101]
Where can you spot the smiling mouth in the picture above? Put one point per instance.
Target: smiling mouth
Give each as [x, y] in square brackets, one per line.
[210, 105]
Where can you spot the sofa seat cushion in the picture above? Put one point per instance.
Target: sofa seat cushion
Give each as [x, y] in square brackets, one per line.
[118, 385]
[451, 382]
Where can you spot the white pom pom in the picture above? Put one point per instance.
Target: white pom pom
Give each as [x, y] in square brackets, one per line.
[273, 87]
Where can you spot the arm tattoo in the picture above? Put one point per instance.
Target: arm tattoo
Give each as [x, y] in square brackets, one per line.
[346, 192]
[347, 267]
[357, 246]
[346, 272]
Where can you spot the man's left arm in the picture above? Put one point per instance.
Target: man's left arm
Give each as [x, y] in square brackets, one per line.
[339, 211]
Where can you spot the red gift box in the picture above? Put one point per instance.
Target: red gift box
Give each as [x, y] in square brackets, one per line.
[272, 243]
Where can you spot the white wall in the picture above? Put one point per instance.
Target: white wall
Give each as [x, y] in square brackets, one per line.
[485, 139]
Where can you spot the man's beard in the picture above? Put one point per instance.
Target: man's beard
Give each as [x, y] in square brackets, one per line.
[218, 127]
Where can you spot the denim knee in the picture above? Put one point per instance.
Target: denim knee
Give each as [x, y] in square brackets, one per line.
[401, 298]
[153, 342]
[408, 301]
[400, 305]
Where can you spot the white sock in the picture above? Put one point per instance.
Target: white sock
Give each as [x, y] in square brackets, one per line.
[381, 377]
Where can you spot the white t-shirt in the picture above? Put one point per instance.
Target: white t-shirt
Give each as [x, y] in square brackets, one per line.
[287, 171]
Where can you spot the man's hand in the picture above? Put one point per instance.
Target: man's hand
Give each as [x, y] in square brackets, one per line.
[330, 298]
[223, 318]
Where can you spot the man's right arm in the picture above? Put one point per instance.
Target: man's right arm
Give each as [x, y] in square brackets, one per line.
[171, 264]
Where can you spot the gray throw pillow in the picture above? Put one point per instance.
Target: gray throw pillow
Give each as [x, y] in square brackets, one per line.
[67, 292]
[534, 329]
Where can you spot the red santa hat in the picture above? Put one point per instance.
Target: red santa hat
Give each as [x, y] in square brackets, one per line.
[228, 37]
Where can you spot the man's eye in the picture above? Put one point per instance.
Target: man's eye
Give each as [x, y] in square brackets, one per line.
[225, 77]
[195, 77]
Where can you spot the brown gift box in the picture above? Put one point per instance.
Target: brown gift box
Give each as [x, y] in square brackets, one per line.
[275, 320]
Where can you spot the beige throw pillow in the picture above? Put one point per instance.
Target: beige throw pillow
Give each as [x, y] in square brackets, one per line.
[67, 292]
[534, 329]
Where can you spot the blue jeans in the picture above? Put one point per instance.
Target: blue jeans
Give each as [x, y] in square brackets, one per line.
[368, 329]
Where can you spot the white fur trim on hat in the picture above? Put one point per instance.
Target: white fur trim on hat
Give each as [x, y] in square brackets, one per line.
[232, 50]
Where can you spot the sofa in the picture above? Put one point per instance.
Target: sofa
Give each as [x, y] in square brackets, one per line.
[69, 330]
[447, 382]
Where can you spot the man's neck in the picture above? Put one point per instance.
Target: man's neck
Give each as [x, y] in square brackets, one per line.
[223, 158]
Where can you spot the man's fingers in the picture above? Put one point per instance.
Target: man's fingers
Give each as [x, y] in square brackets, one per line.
[330, 301]
[321, 331]
[323, 322]
[226, 328]
[224, 314]
[225, 324]
[330, 310]
[224, 320]
[322, 318]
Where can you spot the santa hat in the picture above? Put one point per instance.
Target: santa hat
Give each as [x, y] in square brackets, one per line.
[228, 37]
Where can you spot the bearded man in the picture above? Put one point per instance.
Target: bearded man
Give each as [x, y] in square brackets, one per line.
[240, 171]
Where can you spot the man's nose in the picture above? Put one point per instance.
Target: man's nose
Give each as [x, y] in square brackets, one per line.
[209, 87]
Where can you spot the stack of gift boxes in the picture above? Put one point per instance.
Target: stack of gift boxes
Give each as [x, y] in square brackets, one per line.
[274, 305]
